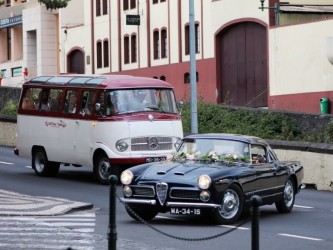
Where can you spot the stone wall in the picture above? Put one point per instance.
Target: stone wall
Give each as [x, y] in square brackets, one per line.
[7, 131]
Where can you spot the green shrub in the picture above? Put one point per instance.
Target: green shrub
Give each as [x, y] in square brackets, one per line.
[219, 118]
[10, 108]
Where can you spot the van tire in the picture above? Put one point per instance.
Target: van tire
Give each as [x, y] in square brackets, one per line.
[102, 168]
[41, 164]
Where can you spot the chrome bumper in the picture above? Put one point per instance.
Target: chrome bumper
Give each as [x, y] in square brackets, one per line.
[171, 204]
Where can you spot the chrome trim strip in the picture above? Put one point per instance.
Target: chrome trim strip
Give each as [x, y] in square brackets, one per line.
[192, 204]
[138, 201]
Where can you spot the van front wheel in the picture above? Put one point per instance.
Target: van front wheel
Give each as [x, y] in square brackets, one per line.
[102, 169]
[42, 166]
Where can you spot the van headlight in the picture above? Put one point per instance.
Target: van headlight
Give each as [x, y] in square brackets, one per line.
[126, 177]
[204, 181]
[121, 145]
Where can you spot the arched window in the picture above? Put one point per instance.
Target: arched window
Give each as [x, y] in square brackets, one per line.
[196, 37]
[105, 7]
[98, 7]
[106, 53]
[164, 44]
[156, 41]
[126, 49]
[99, 54]
[133, 48]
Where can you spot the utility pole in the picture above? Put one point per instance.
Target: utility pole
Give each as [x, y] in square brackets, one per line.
[193, 74]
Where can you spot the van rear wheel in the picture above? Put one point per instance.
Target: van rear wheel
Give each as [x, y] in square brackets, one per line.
[102, 169]
[41, 164]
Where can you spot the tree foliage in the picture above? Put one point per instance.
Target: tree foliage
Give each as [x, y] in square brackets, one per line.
[54, 4]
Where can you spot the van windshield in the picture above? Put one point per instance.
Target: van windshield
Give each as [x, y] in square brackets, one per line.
[138, 100]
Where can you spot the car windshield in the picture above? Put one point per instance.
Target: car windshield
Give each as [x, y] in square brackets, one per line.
[215, 149]
[138, 100]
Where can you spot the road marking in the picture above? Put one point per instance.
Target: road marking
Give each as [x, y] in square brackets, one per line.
[300, 237]
[166, 217]
[7, 163]
[241, 228]
[302, 206]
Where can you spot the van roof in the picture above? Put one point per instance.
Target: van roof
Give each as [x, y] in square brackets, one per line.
[99, 81]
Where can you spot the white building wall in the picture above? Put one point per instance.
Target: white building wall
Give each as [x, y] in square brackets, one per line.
[173, 33]
[298, 59]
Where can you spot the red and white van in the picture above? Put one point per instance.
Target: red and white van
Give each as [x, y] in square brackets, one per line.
[108, 122]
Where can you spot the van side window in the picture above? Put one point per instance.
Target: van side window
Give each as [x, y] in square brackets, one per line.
[87, 100]
[71, 102]
[57, 100]
[101, 101]
[43, 100]
[28, 101]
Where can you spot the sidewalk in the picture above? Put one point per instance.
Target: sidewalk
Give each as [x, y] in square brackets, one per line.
[15, 204]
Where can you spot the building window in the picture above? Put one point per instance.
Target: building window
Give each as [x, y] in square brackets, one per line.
[133, 48]
[9, 44]
[196, 38]
[98, 7]
[155, 1]
[187, 78]
[126, 49]
[164, 44]
[156, 42]
[105, 7]
[106, 53]
[133, 4]
[125, 5]
[129, 4]
[99, 55]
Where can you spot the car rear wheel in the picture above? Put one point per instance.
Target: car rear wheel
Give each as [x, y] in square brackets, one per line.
[232, 206]
[42, 166]
[286, 204]
[145, 213]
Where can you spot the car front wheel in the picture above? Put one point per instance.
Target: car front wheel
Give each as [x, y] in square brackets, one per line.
[42, 166]
[286, 204]
[232, 206]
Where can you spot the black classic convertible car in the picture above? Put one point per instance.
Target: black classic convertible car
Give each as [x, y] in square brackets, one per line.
[212, 174]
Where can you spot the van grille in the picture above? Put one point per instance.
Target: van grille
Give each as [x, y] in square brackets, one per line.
[148, 143]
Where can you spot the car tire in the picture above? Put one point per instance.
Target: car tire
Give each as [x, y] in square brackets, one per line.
[41, 164]
[232, 206]
[286, 204]
[144, 213]
[102, 169]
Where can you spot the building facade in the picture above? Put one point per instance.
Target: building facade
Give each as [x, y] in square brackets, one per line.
[245, 56]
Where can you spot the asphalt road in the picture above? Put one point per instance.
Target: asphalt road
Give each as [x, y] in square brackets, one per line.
[309, 226]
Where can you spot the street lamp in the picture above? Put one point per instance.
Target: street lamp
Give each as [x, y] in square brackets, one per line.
[276, 9]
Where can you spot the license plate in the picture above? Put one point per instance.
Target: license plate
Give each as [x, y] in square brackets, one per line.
[185, 211]
[155, 159]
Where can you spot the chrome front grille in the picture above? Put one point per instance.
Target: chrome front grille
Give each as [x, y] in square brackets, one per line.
[185, 194]
[143, 191]
[145, 143]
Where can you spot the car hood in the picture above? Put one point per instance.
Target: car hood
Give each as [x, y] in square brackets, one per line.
[185, 171]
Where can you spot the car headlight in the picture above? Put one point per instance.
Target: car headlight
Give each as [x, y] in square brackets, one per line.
[204, 196]
[204, 181]
[127, 191]
[121, 145]
[126, 177]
